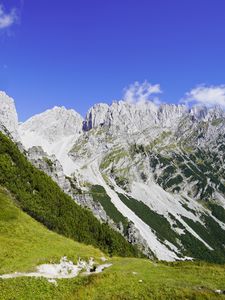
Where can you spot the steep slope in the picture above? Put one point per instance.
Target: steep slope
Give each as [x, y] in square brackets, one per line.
[41, 198]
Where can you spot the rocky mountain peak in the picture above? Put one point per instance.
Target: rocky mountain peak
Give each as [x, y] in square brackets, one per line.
[170, 114]
[53, 124]
[8, 116]
[121, 115]
[96, 116]
[133, 116]
[199, 111]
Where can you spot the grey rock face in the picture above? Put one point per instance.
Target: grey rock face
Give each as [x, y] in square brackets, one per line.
[8, 116]
[96, 116]
[86, 200]
[54, 124]
[50, 165]
[135, 238]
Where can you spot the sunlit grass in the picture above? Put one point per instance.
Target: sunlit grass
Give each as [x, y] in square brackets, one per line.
[25, 243]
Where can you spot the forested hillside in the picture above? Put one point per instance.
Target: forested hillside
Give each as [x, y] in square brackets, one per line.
[42, 199]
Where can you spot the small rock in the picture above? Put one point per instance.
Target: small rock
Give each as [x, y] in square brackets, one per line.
[103, 258]
[220, 292]
[53, 281]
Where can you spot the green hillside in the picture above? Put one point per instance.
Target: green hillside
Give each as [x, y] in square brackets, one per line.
[25, 243]
[42, 199]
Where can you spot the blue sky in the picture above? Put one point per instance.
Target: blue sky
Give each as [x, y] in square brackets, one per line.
[79, 52]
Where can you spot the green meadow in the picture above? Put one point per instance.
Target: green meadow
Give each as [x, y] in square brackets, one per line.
[25, 243]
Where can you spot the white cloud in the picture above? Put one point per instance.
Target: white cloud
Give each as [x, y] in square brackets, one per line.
[206, 95]
[141, 92]
[7, 19]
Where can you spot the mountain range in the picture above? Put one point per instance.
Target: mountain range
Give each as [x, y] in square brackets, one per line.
[154, 173]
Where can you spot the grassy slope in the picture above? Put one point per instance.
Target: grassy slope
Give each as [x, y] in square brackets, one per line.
[159, 281]
[24, 243]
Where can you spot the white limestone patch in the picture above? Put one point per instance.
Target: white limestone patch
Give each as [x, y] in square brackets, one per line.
[65, 269]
